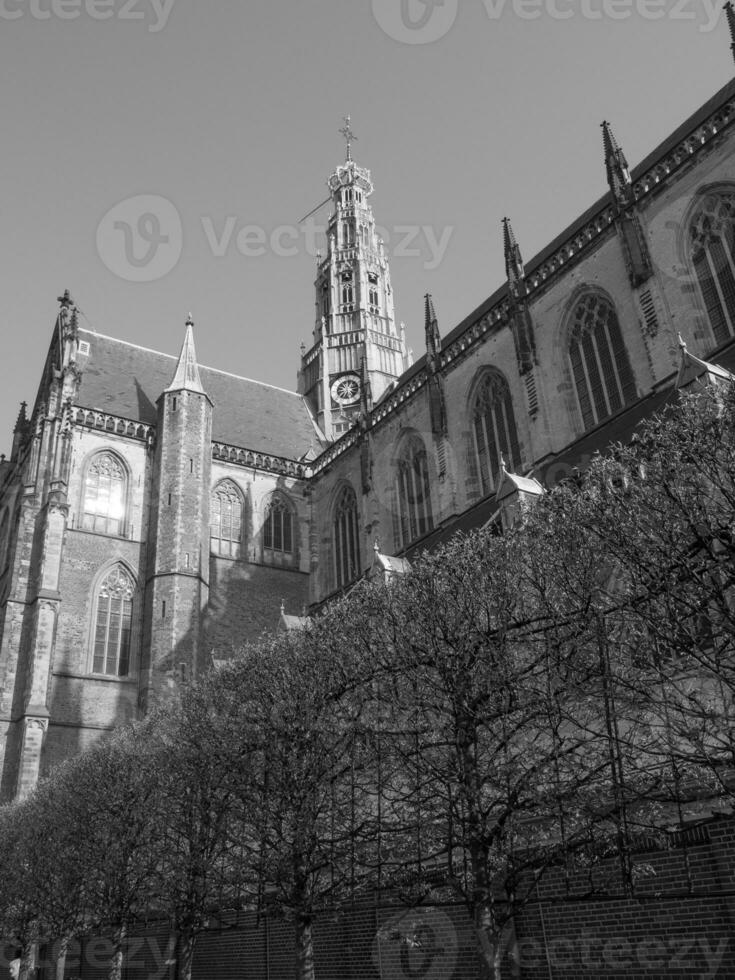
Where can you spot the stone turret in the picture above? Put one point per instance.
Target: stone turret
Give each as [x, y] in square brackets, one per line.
[177, 585]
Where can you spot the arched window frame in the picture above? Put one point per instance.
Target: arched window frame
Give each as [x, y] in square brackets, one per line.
[105, 504]
[494, 429]
[710, 254]
[598, 359]
[279, 528]
[346, 536]
[226, 520]
[114, 622]
[414, 512]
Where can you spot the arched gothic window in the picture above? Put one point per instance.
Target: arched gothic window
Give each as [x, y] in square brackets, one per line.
[600, 365]
[113, 623]
[346, 538]
[278, 527]
[712, 245]
[413, 492]
[225, 525]
[494, 430]
[348, 295]
[105, 487]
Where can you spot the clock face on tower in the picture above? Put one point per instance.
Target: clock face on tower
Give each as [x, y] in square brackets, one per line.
[346, 390]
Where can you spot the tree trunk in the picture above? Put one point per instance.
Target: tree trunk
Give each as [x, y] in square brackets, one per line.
[61, 958]
[185, 954]
[490, 947]
[304, 949]
[116, 960]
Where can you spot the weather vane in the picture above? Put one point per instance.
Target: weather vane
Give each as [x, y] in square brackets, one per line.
[349, 136]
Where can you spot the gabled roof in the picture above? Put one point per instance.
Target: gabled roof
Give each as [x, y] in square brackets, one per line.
[126, 380]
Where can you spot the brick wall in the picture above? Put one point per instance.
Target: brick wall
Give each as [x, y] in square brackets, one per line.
[680, 924]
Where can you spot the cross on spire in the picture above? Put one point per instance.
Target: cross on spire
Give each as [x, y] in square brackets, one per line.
[349, 136]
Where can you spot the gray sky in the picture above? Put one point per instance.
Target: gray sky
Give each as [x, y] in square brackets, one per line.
[466, 110]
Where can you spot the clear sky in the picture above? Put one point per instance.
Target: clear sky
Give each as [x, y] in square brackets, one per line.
[465, 111]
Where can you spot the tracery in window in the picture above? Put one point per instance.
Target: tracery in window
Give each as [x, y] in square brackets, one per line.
[600, 367]
[278, 527]
[494, 430]
[346, 538]
[226, 520]
[105, 485]
[712, 247]
[413, 492]
[113, 623]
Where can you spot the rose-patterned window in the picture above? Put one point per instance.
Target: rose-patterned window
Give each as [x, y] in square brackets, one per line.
[105, 489]
[113, 624]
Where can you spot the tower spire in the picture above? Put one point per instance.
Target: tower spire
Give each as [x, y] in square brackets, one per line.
[187, 370]
[618, 174]
[730, 11]
[514, 268]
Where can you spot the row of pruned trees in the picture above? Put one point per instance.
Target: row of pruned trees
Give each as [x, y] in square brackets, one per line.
[515, 703]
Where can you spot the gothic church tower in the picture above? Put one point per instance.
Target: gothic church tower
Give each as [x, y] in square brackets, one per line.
[357, 352]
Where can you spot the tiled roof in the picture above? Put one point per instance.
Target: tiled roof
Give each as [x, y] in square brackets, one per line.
[122, 379]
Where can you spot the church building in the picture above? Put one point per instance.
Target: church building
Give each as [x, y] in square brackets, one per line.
[155, 513]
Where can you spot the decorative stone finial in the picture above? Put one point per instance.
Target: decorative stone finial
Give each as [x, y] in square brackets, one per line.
[433, 337]
[190, 321]
[514, 268]
[65, 300]
[682, 343]
[618, 174]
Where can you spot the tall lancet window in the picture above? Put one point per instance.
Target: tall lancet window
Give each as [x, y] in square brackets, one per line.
[712, 244]
[600, 366]
[278, 526]
[105, 486]
[225, 529]
[346, 538]
[413, 492]
[114, 623]
[494, 430]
